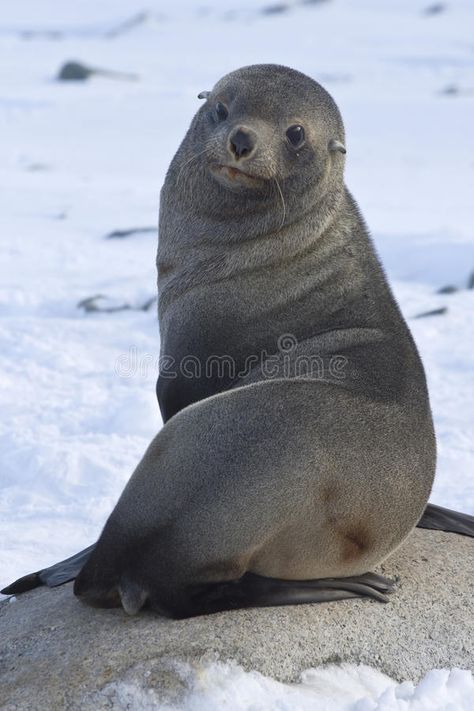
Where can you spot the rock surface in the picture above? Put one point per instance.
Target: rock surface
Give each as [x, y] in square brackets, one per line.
[57, 653]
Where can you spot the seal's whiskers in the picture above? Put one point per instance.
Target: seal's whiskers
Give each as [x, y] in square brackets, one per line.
[187, 162]
[282, 203]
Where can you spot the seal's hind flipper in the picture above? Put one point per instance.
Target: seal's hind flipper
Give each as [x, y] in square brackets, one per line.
[257, 591]
[66, 570]
[55, 575]
[437, 518]
[27, 582]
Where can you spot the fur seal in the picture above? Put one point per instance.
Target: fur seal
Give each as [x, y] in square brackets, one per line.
[298, 448]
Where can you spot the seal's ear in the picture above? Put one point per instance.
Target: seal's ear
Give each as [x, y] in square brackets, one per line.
[335, 145]
[204, 95]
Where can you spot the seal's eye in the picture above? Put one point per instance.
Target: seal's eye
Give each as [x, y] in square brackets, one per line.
[295, 135]
[221, 111]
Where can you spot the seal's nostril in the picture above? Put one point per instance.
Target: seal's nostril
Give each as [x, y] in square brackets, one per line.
[241, 143]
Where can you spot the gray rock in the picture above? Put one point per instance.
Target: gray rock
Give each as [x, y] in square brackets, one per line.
[57, 653]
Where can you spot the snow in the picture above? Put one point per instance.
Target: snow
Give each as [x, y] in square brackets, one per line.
[79, 160]
[332, 688]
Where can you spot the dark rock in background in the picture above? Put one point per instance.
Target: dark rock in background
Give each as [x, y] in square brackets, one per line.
[435, 9]
[77, 71]
[74, 71]
[99, 303]
[131, 23]
[120, 234]
[435, 312]
[448, 289]
[276, 9]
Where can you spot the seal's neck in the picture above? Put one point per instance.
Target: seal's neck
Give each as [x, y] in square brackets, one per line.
[218, 240]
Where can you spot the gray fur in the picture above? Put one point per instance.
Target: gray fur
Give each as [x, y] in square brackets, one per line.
[281, 474]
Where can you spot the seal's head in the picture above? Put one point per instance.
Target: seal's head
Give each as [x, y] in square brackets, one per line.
[267, 122]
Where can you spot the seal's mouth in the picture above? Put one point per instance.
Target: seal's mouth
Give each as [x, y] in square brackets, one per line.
[234, 177]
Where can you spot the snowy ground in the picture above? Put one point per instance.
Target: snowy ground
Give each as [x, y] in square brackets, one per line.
[333, 688]
[79, 160]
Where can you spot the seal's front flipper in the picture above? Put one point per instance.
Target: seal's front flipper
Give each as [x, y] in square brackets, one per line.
[55, 575]
[257, 591]
[437, 518]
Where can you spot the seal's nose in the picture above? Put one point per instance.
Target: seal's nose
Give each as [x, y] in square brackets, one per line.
[242, 143]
